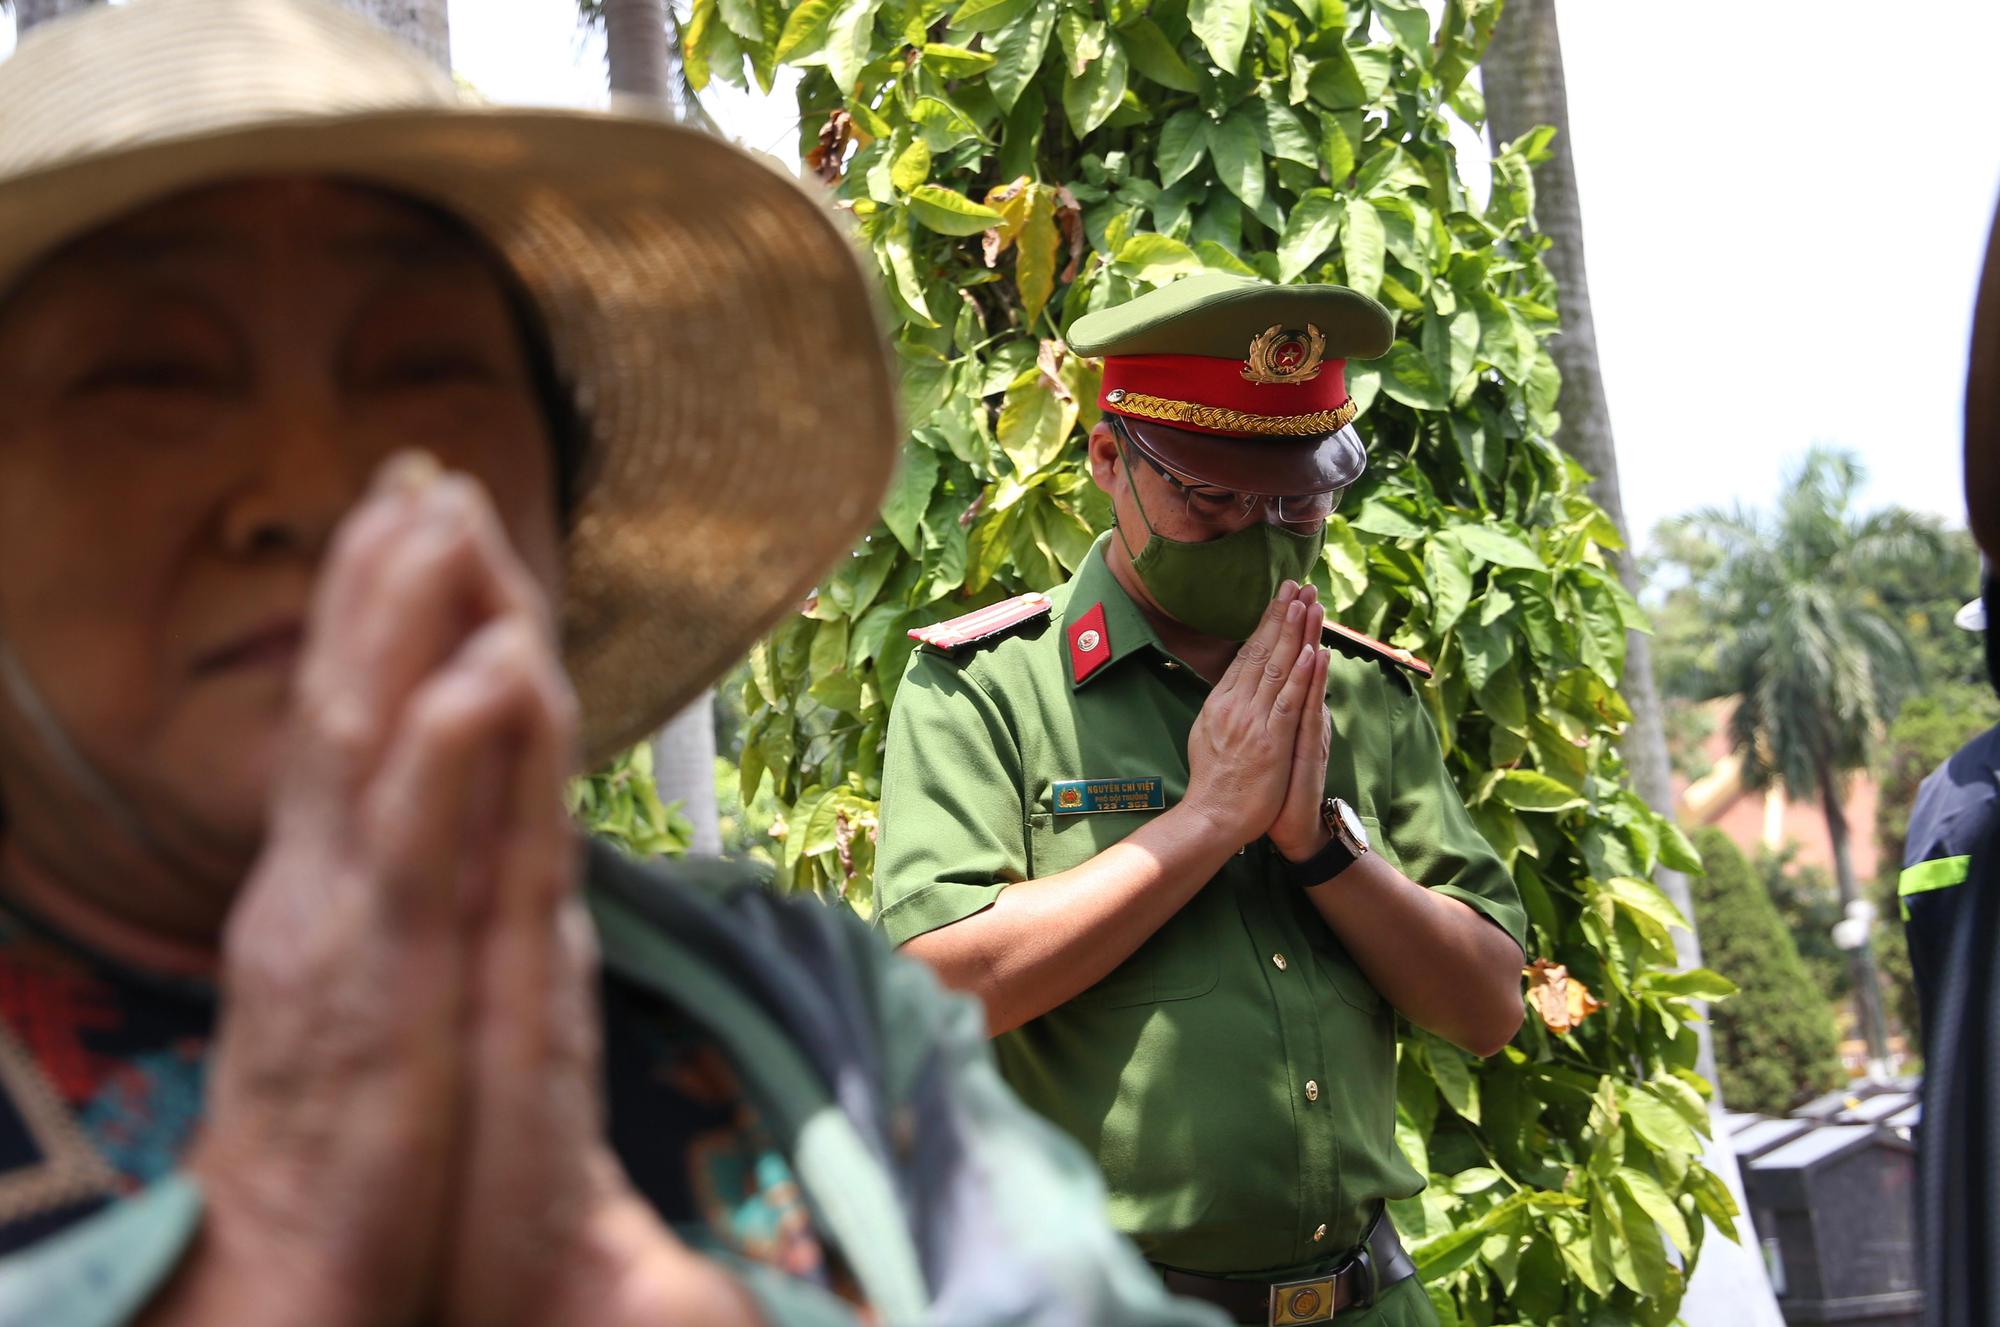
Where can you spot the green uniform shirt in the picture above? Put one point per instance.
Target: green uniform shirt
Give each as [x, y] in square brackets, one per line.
[1236, 1077]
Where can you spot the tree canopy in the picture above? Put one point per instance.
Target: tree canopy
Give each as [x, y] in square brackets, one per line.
[1010, 164]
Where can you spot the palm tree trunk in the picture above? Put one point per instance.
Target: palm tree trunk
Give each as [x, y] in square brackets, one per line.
[1522, 77]
[644, 64]
[1860, 959]
[642, 46]
[424, 24]
[635, 46]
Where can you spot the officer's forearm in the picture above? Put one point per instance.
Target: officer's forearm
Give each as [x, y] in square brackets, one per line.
[1046, 941]
[1443, 966]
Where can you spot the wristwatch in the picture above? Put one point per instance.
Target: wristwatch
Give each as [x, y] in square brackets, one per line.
[1349, 842]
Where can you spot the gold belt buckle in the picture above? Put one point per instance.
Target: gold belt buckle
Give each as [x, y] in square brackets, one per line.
[1295, 1302]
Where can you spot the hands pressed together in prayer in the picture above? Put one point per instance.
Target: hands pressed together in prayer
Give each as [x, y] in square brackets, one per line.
[405, 1120]
[1257, 753]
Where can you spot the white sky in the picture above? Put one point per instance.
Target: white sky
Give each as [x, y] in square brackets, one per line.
[1785, 214]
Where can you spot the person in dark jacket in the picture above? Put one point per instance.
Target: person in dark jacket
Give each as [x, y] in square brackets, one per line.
[1959, 1145]
[1953, 807]
[370, 461]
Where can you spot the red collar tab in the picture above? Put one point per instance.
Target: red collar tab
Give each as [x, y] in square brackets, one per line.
[1228, 396]
[981, 623]
[1357, 646]
[1089, 644]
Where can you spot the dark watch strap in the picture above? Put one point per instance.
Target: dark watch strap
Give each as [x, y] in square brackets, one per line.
[1321, 867]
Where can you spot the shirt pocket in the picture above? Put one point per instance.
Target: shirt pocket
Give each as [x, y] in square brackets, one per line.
[1177, 962]
[1335, 963]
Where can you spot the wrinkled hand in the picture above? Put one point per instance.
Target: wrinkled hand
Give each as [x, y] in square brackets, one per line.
[1240, 748]
[338, 1088]
[404, 1116]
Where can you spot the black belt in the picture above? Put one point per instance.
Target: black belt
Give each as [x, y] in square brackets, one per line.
[1377, 1263]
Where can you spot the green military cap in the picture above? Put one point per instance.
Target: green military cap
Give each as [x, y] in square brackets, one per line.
[1239, 383]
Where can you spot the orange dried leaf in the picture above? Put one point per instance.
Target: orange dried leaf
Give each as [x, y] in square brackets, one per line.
[1560, 999]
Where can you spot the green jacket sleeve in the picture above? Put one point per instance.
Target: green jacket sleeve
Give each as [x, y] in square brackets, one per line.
[953, 834]
[1431, 831]
[1042, 1249]
[101, 1271]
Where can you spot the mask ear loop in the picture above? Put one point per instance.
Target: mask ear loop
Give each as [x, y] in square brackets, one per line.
[115, 808]
[1125, 458]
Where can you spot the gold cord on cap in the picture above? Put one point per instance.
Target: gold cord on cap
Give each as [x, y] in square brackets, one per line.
[1220, 420]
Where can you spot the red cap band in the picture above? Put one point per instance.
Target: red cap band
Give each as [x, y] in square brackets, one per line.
[1201, 392]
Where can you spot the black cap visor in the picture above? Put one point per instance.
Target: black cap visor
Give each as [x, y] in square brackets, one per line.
[1268, 467]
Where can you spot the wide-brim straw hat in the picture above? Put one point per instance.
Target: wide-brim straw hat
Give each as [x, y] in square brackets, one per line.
[712, 318]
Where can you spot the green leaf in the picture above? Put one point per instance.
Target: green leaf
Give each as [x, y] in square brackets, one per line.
[804, 31]
[1653, 1201]
[1018, 50]
[1693, 984]
[1335, 82]
[1477, 1180]
[956, 61]
[1683, 1096]
[895, 250]
[1454, 1080]
[944, 126]
[1288, 138]
[912, 166]
[1498, 547]
[1183, 143]
[1082, 39]
[1532, 790]
[1372, 66]
[1223, 26]
[1155, 259]
[1648, 1274]
[949, 212]
[1031, 425]
[1361, 248]
[1448, 576]
[988, 15]
[1037, 250]
[1155, 57]
[1239, 162]
[1336, 148]
[696, 39]
[847, 40]
[1409, 25]
[1655, 1121]
[740, 17]
[1218, 259]
[1408, 377]
[1089, 98]
[1715, 1201]
[1644, 897]
[1678, 852]
[1314, 221]
[910, 495]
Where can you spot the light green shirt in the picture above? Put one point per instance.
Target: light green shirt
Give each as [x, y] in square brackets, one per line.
[1236, 1077]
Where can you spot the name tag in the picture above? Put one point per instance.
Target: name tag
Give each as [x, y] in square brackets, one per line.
[1079, 797]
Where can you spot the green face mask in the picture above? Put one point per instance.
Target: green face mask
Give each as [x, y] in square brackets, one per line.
[1221, 587]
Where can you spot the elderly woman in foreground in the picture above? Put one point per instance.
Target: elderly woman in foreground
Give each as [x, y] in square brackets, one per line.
[367, 460]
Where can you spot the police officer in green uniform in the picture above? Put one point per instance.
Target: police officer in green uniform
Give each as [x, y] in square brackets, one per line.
[1193, 895]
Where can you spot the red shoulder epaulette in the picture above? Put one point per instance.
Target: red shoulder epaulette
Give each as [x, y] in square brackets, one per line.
[958, 632]
[1357, 646]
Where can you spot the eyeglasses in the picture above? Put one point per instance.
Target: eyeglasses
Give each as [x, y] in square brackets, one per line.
[1211, 505]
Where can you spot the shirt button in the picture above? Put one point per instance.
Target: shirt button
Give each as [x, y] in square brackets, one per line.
[1319, 1234]
[1278, 960]
[1312, 1090]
